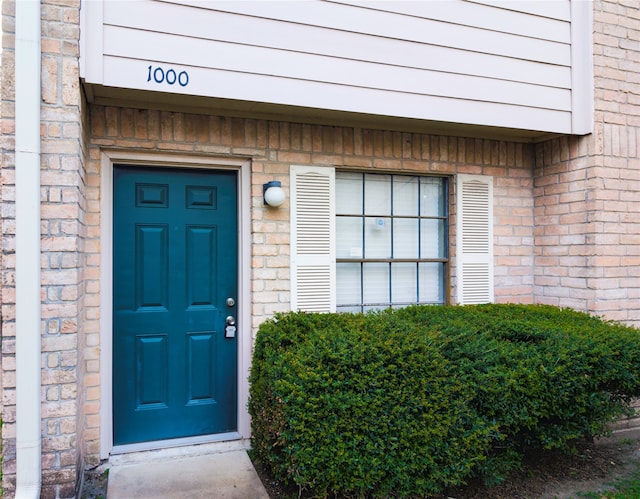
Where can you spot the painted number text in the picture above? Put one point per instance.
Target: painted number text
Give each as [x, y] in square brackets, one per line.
[167, 76]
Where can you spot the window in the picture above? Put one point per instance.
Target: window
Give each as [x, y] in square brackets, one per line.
[391, 240]
[362, 241]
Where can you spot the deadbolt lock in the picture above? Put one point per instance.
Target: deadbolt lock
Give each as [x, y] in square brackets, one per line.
[230, 327]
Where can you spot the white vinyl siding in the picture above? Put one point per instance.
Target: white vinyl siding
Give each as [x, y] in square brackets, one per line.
[474, 242]
[455, 61]
[312, 239]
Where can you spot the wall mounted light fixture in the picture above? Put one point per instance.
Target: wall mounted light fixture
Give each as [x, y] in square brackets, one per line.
[272, 193]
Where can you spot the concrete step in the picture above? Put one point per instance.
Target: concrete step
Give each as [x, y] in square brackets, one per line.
[228, 474]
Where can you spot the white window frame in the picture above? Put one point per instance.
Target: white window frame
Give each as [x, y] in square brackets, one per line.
[442, 260]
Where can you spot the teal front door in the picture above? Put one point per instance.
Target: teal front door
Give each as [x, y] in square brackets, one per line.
[174, 294]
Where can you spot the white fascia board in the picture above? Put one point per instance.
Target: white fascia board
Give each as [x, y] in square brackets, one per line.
[582, 97]
[92, 40]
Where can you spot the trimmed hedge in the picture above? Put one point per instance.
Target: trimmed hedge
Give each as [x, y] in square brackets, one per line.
[412, 401]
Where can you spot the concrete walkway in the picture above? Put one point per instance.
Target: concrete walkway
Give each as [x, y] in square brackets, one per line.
[224, 473]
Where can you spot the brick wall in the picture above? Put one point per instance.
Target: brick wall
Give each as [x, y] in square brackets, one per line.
[562, 211]
[274, 146]
[7, 234]
[62, 235]
[616, 221]
[587, 190]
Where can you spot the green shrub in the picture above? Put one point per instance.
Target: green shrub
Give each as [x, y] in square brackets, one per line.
[416, 400]
[548, 375]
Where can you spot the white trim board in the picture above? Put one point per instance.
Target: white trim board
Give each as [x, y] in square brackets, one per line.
[245, 342]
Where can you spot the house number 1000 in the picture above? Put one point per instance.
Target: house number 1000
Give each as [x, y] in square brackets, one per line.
[170, 77]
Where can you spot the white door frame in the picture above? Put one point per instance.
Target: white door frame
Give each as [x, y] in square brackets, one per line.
[243, 167]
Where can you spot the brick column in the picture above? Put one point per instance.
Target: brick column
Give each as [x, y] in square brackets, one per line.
[63, 207]
[62, 236]
[588, 188]
[7, 242]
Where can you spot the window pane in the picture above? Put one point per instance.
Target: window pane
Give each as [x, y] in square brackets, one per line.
[349, 193]
[390, 217]
[404, 283]
[348, 284]
[432, 239]
[432, 202]
[349, 237]
[377, 238]
[349, 310]
[373, 307]
[405, 196]
[431, 282]
[405, 238]
[377, 194]
[376, 283]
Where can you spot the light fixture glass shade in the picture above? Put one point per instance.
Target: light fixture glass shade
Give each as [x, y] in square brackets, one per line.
[273, 194]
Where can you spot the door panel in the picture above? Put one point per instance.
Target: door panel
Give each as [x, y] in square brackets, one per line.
[175, 265]
[201, 378]
[151, 376]
[201, 262]
[152, 267]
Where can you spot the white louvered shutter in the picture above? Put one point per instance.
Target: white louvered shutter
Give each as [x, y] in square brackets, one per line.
[313, 239]
[474, 241]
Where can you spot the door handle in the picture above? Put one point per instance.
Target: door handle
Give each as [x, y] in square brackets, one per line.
[230, 327]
